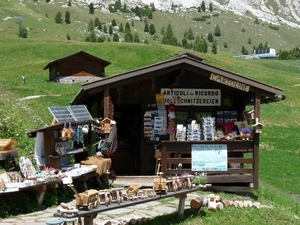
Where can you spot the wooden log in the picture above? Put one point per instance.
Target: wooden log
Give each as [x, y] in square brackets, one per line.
[256, 205]
[196, 203]
[219, 205]
[226, 203]
[212, 204]
[241, 204]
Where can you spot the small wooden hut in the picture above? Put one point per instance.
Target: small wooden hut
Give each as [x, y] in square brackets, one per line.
[77, 67]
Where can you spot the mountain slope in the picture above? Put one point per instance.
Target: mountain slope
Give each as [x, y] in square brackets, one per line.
[270, 11]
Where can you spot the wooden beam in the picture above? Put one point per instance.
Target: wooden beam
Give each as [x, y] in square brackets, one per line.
[106, 101]
[256, 141]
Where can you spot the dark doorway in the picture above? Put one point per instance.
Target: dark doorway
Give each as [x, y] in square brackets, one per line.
[126, 160]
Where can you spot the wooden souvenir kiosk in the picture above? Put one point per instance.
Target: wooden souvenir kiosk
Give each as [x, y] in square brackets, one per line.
[197, 92]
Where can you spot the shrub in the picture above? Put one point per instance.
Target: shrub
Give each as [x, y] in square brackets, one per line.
[273, 27]
[23, 33]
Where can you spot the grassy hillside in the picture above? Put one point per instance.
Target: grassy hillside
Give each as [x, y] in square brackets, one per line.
[24, 107]
[235, 30]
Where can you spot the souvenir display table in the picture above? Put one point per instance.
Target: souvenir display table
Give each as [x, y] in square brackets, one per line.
[89, 215]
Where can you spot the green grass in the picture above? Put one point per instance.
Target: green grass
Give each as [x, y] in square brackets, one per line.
[279, 142]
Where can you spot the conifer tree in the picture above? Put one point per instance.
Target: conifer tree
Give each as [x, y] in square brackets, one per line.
[152, 29]
[91, 8]
[146, 28]
[169, 38]
[127, 26]
[203, 7]
[113, 23]
[121, 28]
[210, 37]
[67, 17]
[217, 32]
[128, 37]
[190, 35]
[214, 47]
[200, 44]
[91, 26]
[211, 7]
[136, 38]
[58, 18]
[116, 37]
[110, 29]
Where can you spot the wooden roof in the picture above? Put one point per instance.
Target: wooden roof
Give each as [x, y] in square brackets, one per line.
[185, 63]
[104, 62]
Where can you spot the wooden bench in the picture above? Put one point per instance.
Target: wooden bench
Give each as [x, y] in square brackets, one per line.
[89, 216]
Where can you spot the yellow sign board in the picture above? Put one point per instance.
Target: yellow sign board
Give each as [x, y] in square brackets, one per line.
[229, 82]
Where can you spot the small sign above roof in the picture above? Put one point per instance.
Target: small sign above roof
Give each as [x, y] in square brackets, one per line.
[73, 113]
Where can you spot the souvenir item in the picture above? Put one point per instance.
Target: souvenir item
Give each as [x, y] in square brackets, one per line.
[27, 168]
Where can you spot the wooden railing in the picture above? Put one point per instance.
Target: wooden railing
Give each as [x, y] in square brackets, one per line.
[176, 159]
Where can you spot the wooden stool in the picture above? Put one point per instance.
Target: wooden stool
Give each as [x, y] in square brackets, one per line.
[54, 222]
[68, 220]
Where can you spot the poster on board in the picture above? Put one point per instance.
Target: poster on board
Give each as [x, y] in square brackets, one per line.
[209, 157]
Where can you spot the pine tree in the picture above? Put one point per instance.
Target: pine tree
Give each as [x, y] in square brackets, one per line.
[210, 37]
[214, 47]
[152, 29]
[113, 23]
[67, 17]
[93, 36]
[152, 7]
[190, 34]
[203, 7]
[97, 23]
[184, 42]
[217, 32]
[200, 45]
[91, 8]
[116, 37]
[211, 7]
[110, 29]
[249, 41]
[169, 38]
[91, 26]
[127, 26]
[128, 37]
[121, 28]
[244, 50]
[146, 28]
[58, 18]
[118, 5]
[150, 15]
[136, 38]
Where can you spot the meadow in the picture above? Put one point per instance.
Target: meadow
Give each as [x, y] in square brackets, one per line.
[25, 107]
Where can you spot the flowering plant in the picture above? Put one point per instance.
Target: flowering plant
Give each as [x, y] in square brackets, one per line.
[246, 130]
[200, 178]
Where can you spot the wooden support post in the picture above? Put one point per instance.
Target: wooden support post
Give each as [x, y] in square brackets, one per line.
[105, 179]
[89, 220]
[256, 142]
[106, 101]
[99, 183]
[181, 203]
[40, 197]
